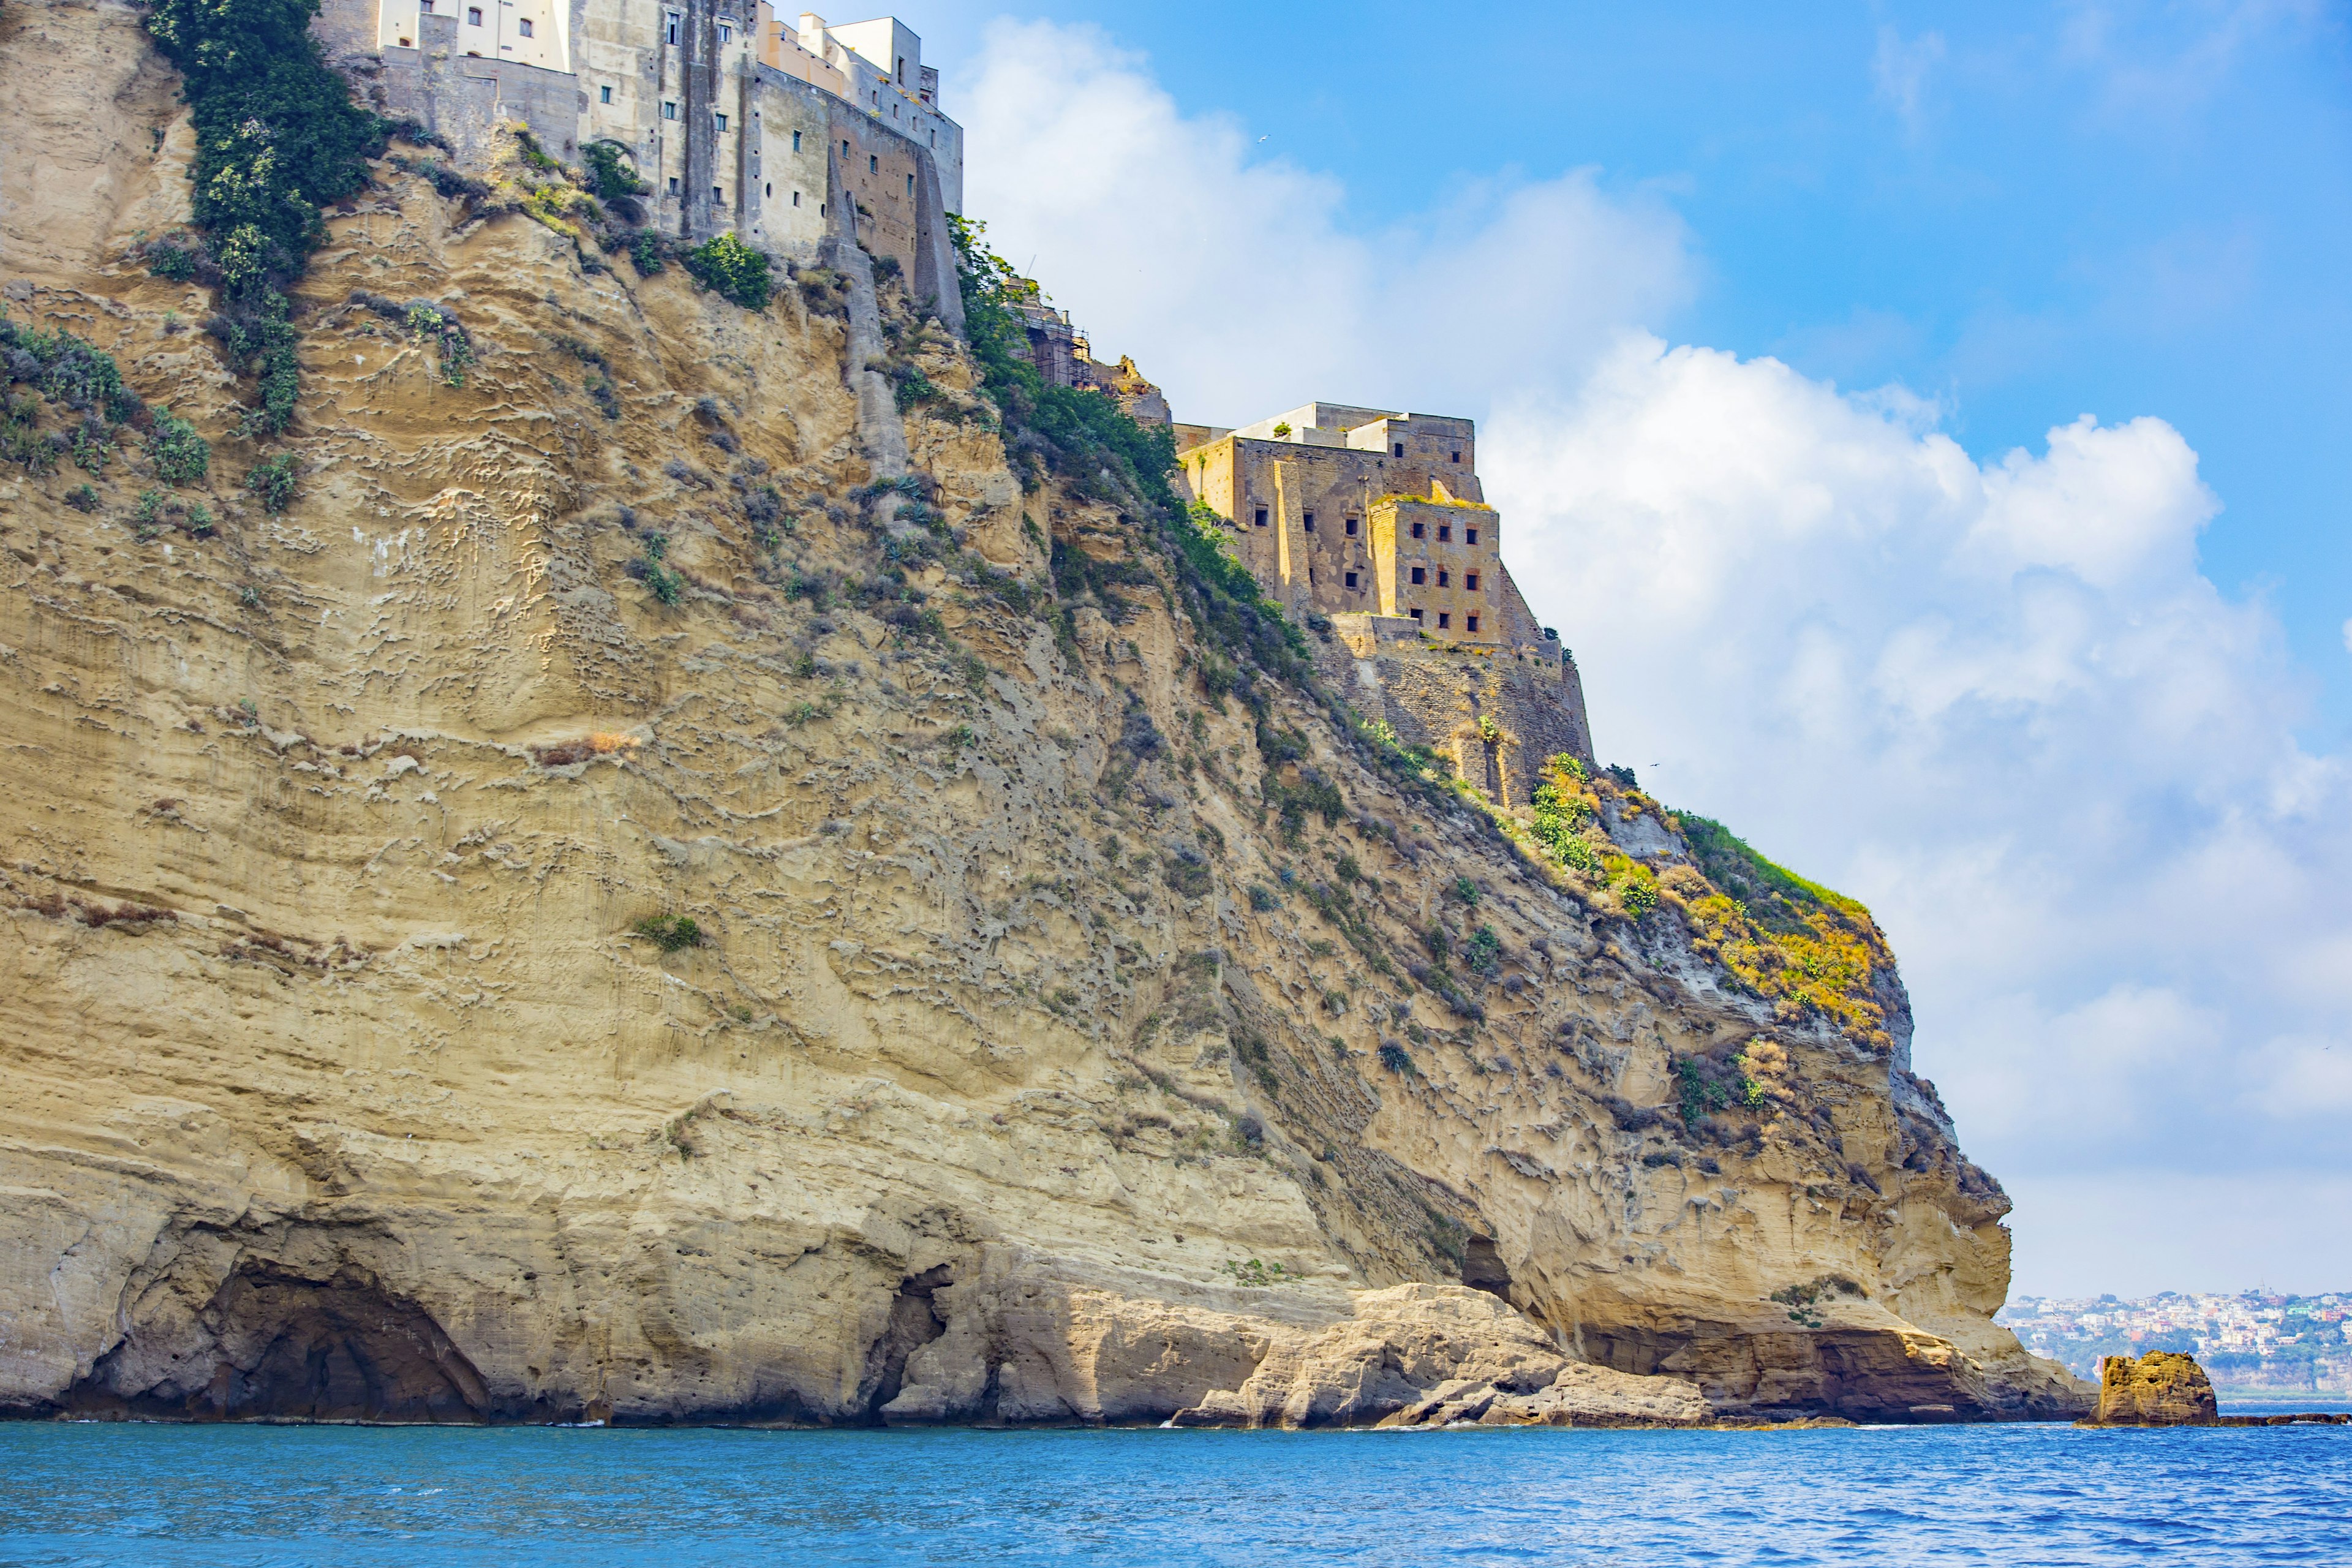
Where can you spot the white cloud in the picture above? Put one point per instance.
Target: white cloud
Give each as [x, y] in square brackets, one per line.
[1164, 231]
[1899, 70]
[1995, 699]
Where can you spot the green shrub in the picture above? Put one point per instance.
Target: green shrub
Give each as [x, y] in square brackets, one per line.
[81, 498]
[1483, 953]
[671, 933]
[276, 136]
[171, 261]
[273, 481]
[728, 267]
[1396, 1058]
[615, 173]
[645, 253]
[1262, 899]
[180, 455]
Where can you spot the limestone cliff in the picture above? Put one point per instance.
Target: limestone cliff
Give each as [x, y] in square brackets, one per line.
[1045, 1044]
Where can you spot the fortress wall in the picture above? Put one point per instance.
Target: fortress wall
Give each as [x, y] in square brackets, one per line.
[748, 178]
[1434, 693]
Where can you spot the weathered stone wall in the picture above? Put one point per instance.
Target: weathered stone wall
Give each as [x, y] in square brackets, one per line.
[1440, 694]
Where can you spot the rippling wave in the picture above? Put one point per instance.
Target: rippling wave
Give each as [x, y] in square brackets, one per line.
[2044, 1496]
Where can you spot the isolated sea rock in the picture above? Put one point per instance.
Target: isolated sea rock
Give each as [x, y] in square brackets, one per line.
[1032, 1055]
[2162, 1388]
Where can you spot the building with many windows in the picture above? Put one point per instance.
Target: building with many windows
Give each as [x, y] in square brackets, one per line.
[785, 131]
[1369, 525]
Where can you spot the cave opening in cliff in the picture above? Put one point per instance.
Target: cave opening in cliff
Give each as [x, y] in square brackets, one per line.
[283, 1346]
[1482, 1268]
[915, 1321]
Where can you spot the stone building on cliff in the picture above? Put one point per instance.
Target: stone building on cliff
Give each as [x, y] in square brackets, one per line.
[1374, 520]
[787, 133]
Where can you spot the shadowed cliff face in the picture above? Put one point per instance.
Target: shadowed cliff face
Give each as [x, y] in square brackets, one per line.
[1032, 1064]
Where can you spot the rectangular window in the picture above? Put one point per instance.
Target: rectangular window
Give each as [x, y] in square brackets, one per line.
[1470, 536]
[1416, 613]
[1420, 575]
[675, 21]
[1399, 452]
[1470, 623]
[526, 27]
[796, 198]
[718, 195]
[1261, 517]
[473, 15]
[1420, 530]
[797, 140]
[1351, 527]
[726, 32]
[720, 120]
[1445, 532]
[911, 188]
[669, 109]
[844, 149]
[1470, 580]
[425, 6]
[872, 164]
[1351, 579]
[1457, 456]
[603, 95]
[673, 185]
[1445, 578]
[1309, 519]
[1444, 620]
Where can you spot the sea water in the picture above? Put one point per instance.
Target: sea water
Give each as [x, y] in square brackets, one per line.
[2038, 1495]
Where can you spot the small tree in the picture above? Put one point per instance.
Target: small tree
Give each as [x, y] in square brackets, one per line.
[728, 267]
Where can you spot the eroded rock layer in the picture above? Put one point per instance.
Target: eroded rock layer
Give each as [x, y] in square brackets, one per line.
[1031, 1056]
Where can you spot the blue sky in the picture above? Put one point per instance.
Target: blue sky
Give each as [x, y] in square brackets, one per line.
[2026, 212]
[1931, 435]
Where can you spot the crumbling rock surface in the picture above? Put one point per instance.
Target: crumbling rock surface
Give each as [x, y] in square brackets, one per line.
[2162, 1388]
[1022, 1064]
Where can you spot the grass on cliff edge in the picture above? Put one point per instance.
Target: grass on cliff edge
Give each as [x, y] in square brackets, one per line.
[278, 136]
[1101, 454]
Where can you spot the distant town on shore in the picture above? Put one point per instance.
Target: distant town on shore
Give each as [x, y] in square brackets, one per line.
[2252, 1342]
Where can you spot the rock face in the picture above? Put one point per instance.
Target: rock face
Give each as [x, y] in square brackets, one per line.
[2162, 1388]
[1034, 1055]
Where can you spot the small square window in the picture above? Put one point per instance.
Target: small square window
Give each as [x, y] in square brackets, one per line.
[1399, 452]
[1469, 536]
[1444, 620]
[1445, 532]
[1415, 613]
[473, 15]
[1470, 580]
[1352, 526]
[1421, 531]
[1457, 456]
[669, 109]
[1351, 579]
[1260, 519]
[1445, 578]
[1309, 519]
[526, 27]
[1420, 574]
[1470, 623]
[603, 95]
[719, 122]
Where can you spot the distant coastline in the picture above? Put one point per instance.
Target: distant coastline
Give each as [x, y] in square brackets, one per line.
[2264, 1350]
